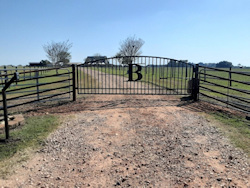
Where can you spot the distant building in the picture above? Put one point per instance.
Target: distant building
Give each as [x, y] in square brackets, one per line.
[35, 64]
[94, 60]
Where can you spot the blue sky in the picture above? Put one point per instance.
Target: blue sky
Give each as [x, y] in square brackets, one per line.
[196, 30]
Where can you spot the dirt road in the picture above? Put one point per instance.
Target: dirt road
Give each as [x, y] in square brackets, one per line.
[133, 141]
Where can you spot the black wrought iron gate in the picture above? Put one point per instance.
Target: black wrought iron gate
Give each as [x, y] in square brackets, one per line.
[140, 75]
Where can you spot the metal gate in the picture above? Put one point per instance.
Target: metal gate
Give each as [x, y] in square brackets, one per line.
[140, 75]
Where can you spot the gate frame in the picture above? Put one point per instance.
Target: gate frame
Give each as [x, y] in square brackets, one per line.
[193, 74]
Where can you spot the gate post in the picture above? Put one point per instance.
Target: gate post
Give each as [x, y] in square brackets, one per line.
[195, 85]
[5, 110]
[74, 81]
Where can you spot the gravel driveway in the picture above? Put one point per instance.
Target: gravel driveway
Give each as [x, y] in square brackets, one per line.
[133, 141]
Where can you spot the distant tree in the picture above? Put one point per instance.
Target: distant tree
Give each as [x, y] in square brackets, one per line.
[64, 58]
[131, 46]
[45, 62]
[211, 64]
[202, 64]
[174, 63]
[224, 64]
[58, 52]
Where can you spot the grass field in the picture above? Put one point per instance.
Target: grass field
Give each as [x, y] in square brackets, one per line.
[172, 78]
[232, 93]
[27, 83]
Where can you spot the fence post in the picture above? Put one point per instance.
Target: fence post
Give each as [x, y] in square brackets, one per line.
[37, 84]
[74, 81]
[230, 76]
[5, 110]
[195, 84]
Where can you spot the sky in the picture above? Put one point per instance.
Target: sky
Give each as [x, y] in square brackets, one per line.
[207, 31]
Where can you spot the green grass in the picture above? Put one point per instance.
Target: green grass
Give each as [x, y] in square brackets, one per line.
[226, 83]
[35, 130]
[24, 139]
[236, 128]
[170, 78]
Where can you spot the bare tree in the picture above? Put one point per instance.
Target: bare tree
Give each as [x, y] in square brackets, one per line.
[131, 46]
[58, 51]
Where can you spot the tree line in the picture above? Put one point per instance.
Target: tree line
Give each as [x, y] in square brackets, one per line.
[58, 53]
[221, 64]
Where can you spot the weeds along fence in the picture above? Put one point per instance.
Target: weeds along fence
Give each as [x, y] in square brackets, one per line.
[36, 85]
[227, 87]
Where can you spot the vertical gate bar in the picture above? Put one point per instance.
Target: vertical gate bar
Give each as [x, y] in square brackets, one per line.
[155, 75]
[148, 61]
[87, 76]
[186, 77]
[160, 69]
[123, 77]
[174, 71]
[142, 71]
[105, 75]
[91, 78]
[152, 75]
[77, 83]
[178, 76]
[97, 77]
[82, 78]
[182, 65]
[163, 73]
[130, 81]
[94, 76]
[116, 76]
[134, 88]
[112, 78]
[109, 77]
[74, 81]
[167, 80]
[143, 74]
[138, 83]
[171, 74]
[101, 79]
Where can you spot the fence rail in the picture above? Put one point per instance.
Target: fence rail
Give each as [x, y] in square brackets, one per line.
[230, 88]
[34, 86]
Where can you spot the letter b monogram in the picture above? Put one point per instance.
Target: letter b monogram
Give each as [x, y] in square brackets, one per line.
[130, 72]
